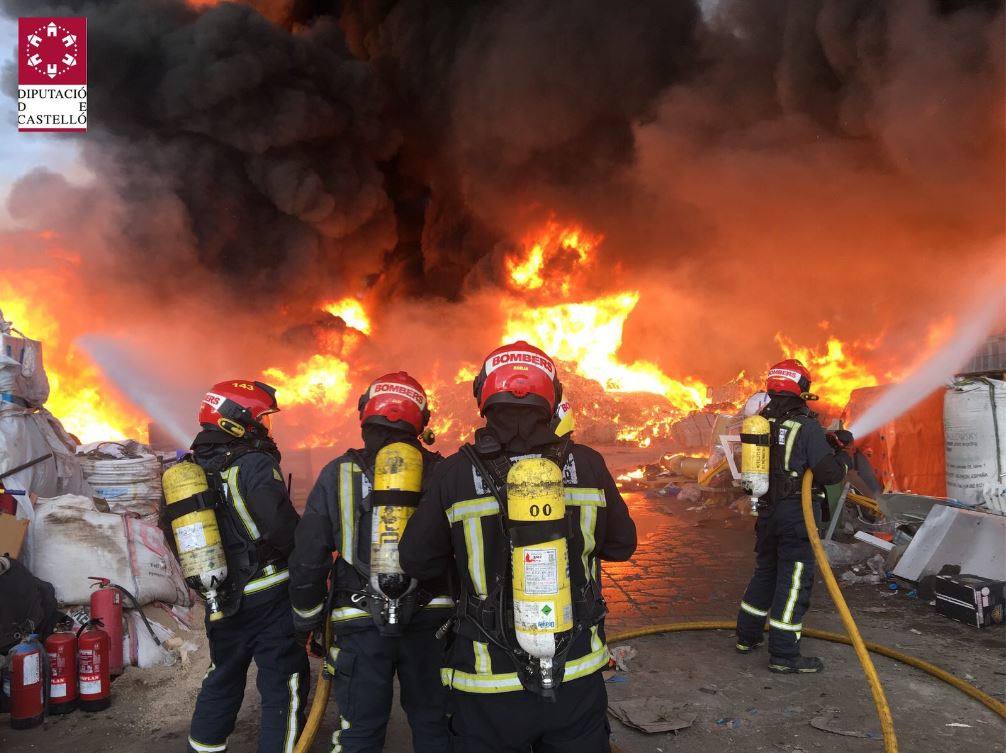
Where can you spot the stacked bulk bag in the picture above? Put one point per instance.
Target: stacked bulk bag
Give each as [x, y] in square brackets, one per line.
[127, 475]
[974, 423]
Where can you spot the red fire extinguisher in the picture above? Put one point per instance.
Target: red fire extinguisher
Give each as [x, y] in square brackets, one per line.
[93, 676]
[62, 649]
[26, 675]
[106, 605]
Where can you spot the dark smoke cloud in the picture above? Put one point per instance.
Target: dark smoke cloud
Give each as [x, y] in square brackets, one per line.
[849, 150]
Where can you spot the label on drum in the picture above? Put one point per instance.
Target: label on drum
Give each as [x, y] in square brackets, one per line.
[57, 690]
[90, 685]
[31, 669]
[541, 572]
[190, 537]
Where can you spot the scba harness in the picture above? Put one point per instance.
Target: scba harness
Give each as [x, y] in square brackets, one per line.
[366, 597]
[492, 618]
[239, 534]
[784, 481]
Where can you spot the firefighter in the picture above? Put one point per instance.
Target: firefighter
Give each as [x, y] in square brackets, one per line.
[784, 574]
[257, 523]
[369, 650]
[528, 645]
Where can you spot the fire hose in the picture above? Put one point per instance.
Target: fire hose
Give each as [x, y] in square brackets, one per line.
[854, 639]
[324, 686]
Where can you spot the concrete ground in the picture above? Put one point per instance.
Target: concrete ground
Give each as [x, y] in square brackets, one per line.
[690, 565]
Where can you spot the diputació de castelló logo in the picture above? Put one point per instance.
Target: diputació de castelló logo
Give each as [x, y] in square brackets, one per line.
[52, 74]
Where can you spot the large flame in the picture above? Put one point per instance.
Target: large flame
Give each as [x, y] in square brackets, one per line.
[834, 373]
[79, 395]
[351, 311]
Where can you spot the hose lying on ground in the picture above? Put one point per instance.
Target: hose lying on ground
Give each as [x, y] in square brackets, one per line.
[890, 742]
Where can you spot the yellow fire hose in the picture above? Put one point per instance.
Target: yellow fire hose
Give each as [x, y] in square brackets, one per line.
[862, 648]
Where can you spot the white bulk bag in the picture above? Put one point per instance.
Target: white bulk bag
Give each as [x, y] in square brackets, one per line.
[974, 424]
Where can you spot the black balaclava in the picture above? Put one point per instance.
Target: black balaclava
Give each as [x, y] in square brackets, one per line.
[783, 403]
[376, 436]
[517, 428]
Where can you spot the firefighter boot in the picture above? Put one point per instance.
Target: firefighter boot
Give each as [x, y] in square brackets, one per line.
[798, 665]
[747, 648]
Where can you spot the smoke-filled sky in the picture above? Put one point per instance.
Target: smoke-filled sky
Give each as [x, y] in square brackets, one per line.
[760, 167]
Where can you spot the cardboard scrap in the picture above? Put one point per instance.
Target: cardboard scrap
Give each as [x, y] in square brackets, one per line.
[652, 715]
[12, 535]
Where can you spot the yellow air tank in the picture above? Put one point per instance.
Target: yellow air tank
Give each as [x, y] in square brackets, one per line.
[756, 434]
[542, 599]
[398, 483]
[197, 534]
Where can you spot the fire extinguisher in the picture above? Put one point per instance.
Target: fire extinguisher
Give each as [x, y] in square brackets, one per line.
[27, 666]
[92, 664]
[62, 649]
[106, 605]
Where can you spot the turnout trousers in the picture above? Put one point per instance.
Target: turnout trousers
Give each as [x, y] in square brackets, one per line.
[779, 590]
[264, 633]
[366, 664]
[521, 722]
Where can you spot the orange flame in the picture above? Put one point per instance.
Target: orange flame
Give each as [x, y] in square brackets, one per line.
[351, 311]
[834, 374]
[79, 395]
[321, 381]
[548, 251]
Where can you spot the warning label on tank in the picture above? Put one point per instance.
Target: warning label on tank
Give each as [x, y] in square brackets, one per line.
[541, 572]
[535, 616]
[190, 537]
[30, 669]
[57, 690]
[90, 686]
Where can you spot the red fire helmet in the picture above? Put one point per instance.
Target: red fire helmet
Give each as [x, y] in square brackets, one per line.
[239, 407]
[518, 373]
[395, 400]
[789, 376]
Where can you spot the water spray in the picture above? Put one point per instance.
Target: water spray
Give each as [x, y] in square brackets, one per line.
[934, 371]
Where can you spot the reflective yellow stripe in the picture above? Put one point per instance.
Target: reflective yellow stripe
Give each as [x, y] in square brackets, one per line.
[592, 662]
[268, 579]
[472, 508]
[309, 613]
[441, 601]
[785, 626]
[794, 429]
[469, 683]
[576, 497]
[291, 718]
[204, 748]
[231, 476]
[343, 725]
[347, 613]
[347, 506]
[476, 555]
[483, 663]
[588, 520]
[505, 683]
[794, 591]
[753, 610]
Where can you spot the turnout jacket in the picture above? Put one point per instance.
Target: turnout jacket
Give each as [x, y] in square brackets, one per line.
[458, 526]
[338, 518]
[256, 518]
[799, 443]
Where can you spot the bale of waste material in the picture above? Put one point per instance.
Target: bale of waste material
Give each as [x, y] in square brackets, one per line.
[127, 475]
[23, 381]
[70, 540]
[974, 426]
[35, 441]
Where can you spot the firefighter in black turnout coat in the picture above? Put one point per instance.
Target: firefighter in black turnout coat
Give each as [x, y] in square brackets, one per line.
[257, 524]
[376, 638]
[505, 515]
[784, 574]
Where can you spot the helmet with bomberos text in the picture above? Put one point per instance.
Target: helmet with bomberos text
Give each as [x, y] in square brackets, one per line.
[519, 374]
[239, 407]
[789, 377]
[396, 400]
